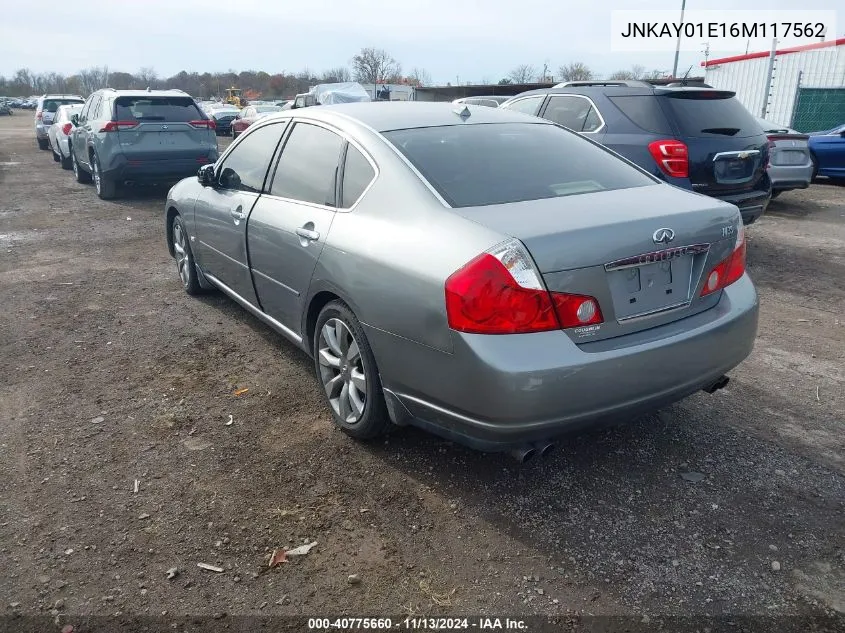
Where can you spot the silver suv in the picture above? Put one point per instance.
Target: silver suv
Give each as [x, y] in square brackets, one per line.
[135, 136]
[45, 110]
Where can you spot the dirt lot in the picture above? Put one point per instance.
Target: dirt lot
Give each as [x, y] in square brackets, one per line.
[112, 376]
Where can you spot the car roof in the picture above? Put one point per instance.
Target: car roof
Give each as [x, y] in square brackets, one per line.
[147, 93]
[614, 90]
[384, 116]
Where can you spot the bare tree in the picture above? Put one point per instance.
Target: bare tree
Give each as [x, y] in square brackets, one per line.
[638, 71]
[523, 74]
[420, 77]
[336, 75]
[576, 71]
[654, 74]
[147, 76]
[94, 78]
[622, 75]
[373, 65]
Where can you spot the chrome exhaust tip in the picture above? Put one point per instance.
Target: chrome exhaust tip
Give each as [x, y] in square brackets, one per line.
[720, 383]
[524, 453]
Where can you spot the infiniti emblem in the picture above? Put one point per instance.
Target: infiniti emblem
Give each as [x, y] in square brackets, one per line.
[663, 236]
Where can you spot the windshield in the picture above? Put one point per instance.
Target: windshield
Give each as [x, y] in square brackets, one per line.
[497, 163]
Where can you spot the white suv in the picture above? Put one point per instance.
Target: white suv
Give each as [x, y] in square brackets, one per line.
[45, 110]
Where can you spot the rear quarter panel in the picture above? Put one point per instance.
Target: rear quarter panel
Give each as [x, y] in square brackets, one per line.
[390, 256]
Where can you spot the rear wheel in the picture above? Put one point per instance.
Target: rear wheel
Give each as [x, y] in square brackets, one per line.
[346, 369]
[42, 144]
[66, 161]
[185, 265]
[80, 174]
[56, 156]
[106, 188]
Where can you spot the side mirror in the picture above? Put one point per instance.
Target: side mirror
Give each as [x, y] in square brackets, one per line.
[229, 179]
[205, 175]
[75, 119]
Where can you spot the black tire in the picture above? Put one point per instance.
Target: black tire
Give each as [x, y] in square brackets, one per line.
[42, 144]
[80, 174]
[776, 193]
[66, 161]
[373, 420]
[185, 266]
[56, 157]
[106, 188]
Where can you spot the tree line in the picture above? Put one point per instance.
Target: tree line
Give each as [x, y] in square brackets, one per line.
[370, 65]
[576, 71]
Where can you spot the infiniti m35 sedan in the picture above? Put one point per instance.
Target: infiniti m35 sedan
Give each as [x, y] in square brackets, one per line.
[486, 275]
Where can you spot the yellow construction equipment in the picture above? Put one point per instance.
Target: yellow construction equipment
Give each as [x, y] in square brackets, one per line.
[233, 96]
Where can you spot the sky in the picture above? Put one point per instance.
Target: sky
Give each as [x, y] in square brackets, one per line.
[455, 41]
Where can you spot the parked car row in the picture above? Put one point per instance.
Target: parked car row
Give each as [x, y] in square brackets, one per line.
[562, 270]
[120, 137]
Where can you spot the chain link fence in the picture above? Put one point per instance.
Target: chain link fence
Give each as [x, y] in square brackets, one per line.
[819, 103]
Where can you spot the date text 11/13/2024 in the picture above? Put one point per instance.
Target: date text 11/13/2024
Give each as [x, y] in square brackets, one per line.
[420, 624]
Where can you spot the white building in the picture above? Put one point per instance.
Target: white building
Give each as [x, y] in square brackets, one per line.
[807, 87]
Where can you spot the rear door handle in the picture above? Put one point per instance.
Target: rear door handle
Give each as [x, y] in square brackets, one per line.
[308, 234]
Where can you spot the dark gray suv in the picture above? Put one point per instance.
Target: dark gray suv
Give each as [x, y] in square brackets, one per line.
[133, 136]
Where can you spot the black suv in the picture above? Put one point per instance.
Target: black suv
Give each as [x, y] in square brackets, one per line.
[697, 138]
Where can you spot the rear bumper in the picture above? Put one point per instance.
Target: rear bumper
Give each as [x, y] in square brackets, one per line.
[497, 392]
[752, 204]
[786, 177]
[42, 131]
[154, 170]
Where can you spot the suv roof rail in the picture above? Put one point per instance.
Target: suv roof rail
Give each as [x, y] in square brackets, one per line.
[625, 83]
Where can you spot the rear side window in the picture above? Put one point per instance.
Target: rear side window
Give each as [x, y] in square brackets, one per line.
[52, 105]
[645, 112]
[708, 113]
[307, 170]
[497, 163]
[175, 109]
[357, 175]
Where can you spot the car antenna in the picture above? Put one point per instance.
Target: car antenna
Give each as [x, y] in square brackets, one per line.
[686, 75]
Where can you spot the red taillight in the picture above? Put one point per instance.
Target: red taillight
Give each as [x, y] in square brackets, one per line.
[39, 116]
[770, 146]
[203, 123]
[115, 126]
[66, 128]
[729, 269]
[499, 292]
[671, 156]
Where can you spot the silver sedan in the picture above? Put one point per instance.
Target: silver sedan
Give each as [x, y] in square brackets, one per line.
[59, 134]
[483, 274]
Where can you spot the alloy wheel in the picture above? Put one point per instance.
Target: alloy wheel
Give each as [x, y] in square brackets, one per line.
[180, 247]
[342, 370]
[96, 167]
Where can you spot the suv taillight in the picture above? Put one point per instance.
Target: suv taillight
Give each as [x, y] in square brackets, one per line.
[39, 116]
[671, 156]
[499, 292]
[66, 128]
[729, 269]
[114, 126]
[203, 123]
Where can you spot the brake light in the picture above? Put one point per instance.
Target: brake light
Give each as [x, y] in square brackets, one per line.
[770, 146]
[66, 128]
[115, 126]
[39, 116]
[203, 123]
[671, 156]
[499, 292]
[729, 269]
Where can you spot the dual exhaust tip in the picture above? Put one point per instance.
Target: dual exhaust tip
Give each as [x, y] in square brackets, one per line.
[527, 452]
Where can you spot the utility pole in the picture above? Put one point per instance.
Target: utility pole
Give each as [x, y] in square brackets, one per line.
[678, 47]
[545, 71]
[769, 74]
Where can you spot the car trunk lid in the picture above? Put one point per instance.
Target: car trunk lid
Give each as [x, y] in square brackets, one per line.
[641, 252]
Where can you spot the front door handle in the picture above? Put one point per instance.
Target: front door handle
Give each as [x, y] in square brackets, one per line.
[238, 214]
[308, 234]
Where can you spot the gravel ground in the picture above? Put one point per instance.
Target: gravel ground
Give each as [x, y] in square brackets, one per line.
[113, 378]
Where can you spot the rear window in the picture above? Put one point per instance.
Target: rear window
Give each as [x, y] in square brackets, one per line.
[51, 105]
[497, 163]
[709, 114]
[645, 112]
[176, 109]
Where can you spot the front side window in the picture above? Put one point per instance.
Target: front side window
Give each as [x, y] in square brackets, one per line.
[246, 165]
[498, 163]
[576, 113]
[307, 169]
[528, 105]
